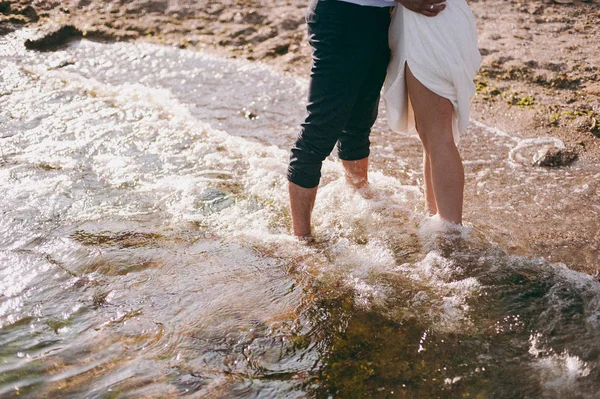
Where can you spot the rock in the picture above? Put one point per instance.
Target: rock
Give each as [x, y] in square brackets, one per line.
[272, 47]
[62, 64]
[531, 64]
[214, 9]
[4, 7]
[227, 16]
[252, 17]
[595, 128]
[54, 38]
[157, 6]
[263, 34]
[47, 5]
[30, 13]
[281, 48]
[5, 29]
[554, 157]
[244, 32]
[554, 67]
[190, 382]
[17, 20]
[535, 9]
[250, 115]
[291, 24]
[593, 89]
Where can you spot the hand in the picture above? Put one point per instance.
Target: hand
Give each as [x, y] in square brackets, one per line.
[429, 8]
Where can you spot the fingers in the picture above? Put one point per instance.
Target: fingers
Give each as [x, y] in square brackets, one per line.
[431, 10]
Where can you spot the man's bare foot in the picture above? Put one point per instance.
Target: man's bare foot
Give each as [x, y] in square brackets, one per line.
[307, 240]
[302, 201]
[356, 172]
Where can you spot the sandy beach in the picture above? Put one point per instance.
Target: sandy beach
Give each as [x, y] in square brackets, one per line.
[541, 65]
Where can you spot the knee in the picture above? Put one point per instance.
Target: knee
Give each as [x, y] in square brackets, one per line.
[435, 140]
[311, 147]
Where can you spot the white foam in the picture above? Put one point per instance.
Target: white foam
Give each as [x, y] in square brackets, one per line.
[537, 144]
[446, 296]
[558, 371]
[493, 129]
[435, 226]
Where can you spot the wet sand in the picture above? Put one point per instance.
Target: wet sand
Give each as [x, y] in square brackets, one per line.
[541, 65]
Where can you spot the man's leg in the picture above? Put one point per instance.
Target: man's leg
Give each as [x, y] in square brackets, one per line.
[354, 143]
[331, 94]
[339, 33]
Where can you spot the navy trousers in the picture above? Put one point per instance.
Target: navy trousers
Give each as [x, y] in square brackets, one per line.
[350, 57]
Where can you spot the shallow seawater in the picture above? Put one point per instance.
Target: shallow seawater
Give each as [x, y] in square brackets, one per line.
[144, 247]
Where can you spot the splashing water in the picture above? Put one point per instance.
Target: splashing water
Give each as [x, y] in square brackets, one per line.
[144, 247]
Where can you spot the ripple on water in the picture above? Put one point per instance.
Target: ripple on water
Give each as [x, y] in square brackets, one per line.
[143, 252]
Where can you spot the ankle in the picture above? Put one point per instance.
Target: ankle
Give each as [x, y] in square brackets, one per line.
[356, 181]
[356, 172]
[302, 201]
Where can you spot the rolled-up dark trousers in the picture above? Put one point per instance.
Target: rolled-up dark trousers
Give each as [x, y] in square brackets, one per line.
[350, 57]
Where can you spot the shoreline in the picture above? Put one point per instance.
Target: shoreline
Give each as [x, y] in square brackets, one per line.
[496, 105]
[540, 74]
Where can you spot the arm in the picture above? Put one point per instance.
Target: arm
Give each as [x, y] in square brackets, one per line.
[429, 8]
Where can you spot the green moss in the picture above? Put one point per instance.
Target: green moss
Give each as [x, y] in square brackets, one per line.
[521, 102]
[585, 119]
[596, 128]
[122, 239]
[56, 325]
[112, 394]
[47, 167]
[516, 73]
[26, 372]
[483, 87]
[99, 298]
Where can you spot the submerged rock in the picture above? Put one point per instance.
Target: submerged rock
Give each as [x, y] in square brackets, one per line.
[190, 382]
[5, 29]
[4, 7]
[19, 14]
[30, 13]
[54, 38]
[554, 157]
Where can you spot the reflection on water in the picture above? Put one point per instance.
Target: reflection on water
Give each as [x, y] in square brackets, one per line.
[144, 247]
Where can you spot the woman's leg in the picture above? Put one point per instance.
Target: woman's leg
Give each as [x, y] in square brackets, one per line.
[429, 194]
[433, 116]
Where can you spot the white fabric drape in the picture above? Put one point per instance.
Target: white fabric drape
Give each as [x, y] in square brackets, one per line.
[442, 54]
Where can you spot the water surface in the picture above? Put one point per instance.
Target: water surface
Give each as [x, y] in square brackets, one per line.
[145, 248]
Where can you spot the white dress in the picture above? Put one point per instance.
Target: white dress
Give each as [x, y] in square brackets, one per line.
[442, 54]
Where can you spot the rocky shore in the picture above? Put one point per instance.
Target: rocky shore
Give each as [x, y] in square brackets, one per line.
[541, 58]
